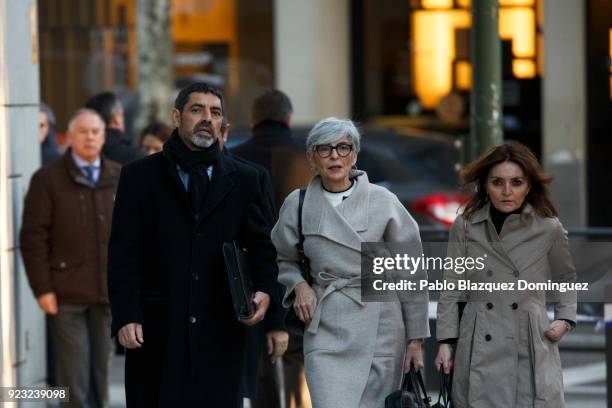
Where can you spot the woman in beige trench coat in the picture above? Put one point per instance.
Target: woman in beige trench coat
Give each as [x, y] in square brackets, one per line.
[354, 351]
[507, 351]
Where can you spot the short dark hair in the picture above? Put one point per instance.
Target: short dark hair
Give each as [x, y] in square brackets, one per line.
[198, 87]
[106, 104]
[271, 105]
[157, 129]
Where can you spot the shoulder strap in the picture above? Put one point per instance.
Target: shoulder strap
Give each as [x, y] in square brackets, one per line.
[300, 206]
[304, 261]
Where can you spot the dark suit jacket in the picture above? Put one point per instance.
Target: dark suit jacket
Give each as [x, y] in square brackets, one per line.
[119, 148]
[273, 147]
[167, 272]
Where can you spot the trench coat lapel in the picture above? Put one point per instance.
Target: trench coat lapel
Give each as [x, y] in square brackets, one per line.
[340, 225]
[482, 216]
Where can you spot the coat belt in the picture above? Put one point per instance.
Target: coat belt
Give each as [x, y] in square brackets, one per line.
[334, 283]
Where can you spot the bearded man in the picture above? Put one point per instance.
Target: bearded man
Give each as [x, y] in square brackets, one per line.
[170, 299]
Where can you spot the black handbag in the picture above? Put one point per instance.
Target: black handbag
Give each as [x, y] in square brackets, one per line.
[444, 398]
[412, 394]
[239, 279]
[293, 324]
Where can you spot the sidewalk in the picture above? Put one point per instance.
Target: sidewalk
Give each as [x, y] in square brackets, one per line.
[583, 385]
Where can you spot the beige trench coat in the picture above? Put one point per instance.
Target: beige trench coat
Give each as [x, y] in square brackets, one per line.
[502, 357]
[353, 350]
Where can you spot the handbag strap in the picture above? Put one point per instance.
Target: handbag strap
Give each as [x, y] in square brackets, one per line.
[425, 397]
[300, 244]
[413, 381]
[304, 261]
[444, 394]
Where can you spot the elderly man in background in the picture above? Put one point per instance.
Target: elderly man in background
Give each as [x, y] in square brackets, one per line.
[66, 228]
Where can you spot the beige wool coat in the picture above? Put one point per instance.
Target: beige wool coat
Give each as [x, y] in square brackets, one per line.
[502, 357]
[353, 350]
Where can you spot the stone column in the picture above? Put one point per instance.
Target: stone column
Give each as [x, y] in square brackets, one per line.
[312, 57]
[564, 107]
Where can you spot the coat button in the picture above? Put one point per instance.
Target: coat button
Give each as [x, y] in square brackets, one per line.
[489, 305]
[516, 274]
[62, 265]
[192, 319]
[488, 337]
[514, 306]
[195, 276]
[489, 273]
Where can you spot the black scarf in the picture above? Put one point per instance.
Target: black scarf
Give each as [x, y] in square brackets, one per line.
[194, 162]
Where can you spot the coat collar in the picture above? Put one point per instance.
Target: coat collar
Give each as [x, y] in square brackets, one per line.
[340, 224]
[107, 178]
[220, 185]
[484, 213]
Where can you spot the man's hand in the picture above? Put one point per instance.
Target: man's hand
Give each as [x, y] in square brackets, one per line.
[130, 336]
[414, 355]
[48, 303]
[278, 340]
[262, 302]
[305, 302]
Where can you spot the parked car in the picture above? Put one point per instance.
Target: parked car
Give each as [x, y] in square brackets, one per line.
[419, 170]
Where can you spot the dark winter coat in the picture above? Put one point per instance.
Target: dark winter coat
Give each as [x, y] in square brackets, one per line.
[166, 271]
[65, 231]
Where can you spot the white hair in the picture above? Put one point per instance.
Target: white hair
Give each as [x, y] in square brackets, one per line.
[329, 130]
[83, 111]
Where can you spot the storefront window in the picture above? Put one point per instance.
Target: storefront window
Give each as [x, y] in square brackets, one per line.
[90, 46]
[422, 55]
[227, 43]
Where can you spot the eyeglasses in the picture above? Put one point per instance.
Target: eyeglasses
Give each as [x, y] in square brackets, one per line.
[343, 150]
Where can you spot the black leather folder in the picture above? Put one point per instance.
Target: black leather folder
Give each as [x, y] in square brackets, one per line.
[239, 278]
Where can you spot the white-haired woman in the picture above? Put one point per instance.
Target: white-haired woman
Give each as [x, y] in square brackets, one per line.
[354, 351]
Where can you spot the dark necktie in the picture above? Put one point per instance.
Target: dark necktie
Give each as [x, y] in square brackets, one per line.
[198, 187]
[89, 170]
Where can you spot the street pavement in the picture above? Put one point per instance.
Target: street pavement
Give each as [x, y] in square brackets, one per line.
[584, 377]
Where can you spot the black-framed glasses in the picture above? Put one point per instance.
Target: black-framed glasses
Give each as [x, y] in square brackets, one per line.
[343, 149]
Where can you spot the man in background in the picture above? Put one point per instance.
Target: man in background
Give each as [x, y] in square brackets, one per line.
[64, 237]
[118, 147]
[273, 147]
[49, 151]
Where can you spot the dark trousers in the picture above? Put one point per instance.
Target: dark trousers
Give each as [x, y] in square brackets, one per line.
[81, 335]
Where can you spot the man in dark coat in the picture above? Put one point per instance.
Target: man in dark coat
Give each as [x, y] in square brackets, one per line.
[118, 147]
[273, 148]
[170, 299]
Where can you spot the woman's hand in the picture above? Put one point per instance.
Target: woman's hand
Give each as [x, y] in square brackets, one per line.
[444, 358]
[305, 302]
[557, 330]
[414, 355]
